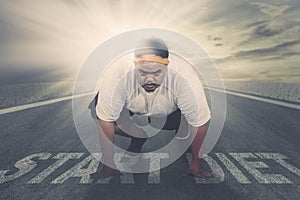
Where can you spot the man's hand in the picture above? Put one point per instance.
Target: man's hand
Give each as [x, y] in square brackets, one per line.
[105, 173]
[195, 170]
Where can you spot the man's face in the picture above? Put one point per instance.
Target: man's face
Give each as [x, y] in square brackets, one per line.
[150, 75]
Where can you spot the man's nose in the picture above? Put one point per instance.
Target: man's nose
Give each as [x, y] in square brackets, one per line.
[149, 78]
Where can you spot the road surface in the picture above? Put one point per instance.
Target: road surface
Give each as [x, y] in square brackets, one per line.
[256, 157]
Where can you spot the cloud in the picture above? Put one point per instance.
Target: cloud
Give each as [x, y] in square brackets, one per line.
[255, 23]
[268, 32]
[62, 33]
[288, 44]
[275, 52]
[218, 45]
[209, 37]
[281, 48]
[217, 38]
[271, 10]
[265, 31]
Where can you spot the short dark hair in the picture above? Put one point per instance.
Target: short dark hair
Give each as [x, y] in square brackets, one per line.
[152, 46]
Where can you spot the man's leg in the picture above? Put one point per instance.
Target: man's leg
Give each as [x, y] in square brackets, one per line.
[124, 126]
[136, 143]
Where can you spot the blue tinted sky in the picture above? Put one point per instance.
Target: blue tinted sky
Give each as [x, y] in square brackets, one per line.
[249, 40]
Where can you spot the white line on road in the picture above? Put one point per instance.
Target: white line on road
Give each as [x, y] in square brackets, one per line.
[51, 101]
[41, 103]
[90, 163]
[264, 99]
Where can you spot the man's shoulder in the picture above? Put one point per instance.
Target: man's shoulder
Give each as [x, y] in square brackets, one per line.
[183, 76]
[116, 76]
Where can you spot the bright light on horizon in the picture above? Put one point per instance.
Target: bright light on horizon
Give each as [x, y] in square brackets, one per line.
[246, 39]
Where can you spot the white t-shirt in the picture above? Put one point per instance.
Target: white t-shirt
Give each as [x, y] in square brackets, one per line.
[181, 89]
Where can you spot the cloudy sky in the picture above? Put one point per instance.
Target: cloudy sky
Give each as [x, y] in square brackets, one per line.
[248, 39]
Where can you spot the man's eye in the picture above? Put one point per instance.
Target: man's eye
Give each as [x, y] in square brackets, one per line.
[143, 73]
[157, 73]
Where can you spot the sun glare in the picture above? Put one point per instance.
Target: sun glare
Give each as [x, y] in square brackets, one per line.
[63, 33]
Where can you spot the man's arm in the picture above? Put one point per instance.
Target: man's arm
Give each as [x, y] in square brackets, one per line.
[197, 144]
[198, 133]
[107, 133]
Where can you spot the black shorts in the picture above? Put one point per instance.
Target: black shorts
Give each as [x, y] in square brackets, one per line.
[172, 121]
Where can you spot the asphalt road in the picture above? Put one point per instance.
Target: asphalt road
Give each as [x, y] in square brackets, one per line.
[256, 157]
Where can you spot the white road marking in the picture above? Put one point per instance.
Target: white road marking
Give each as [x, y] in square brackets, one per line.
[263, 99]
[235, 172]
[279, 158]
[126, 178]
[62, 158]
[154, 168]
[25, 165]
[252, 166]
[41, 103]
[78, 171]
[91, 163]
